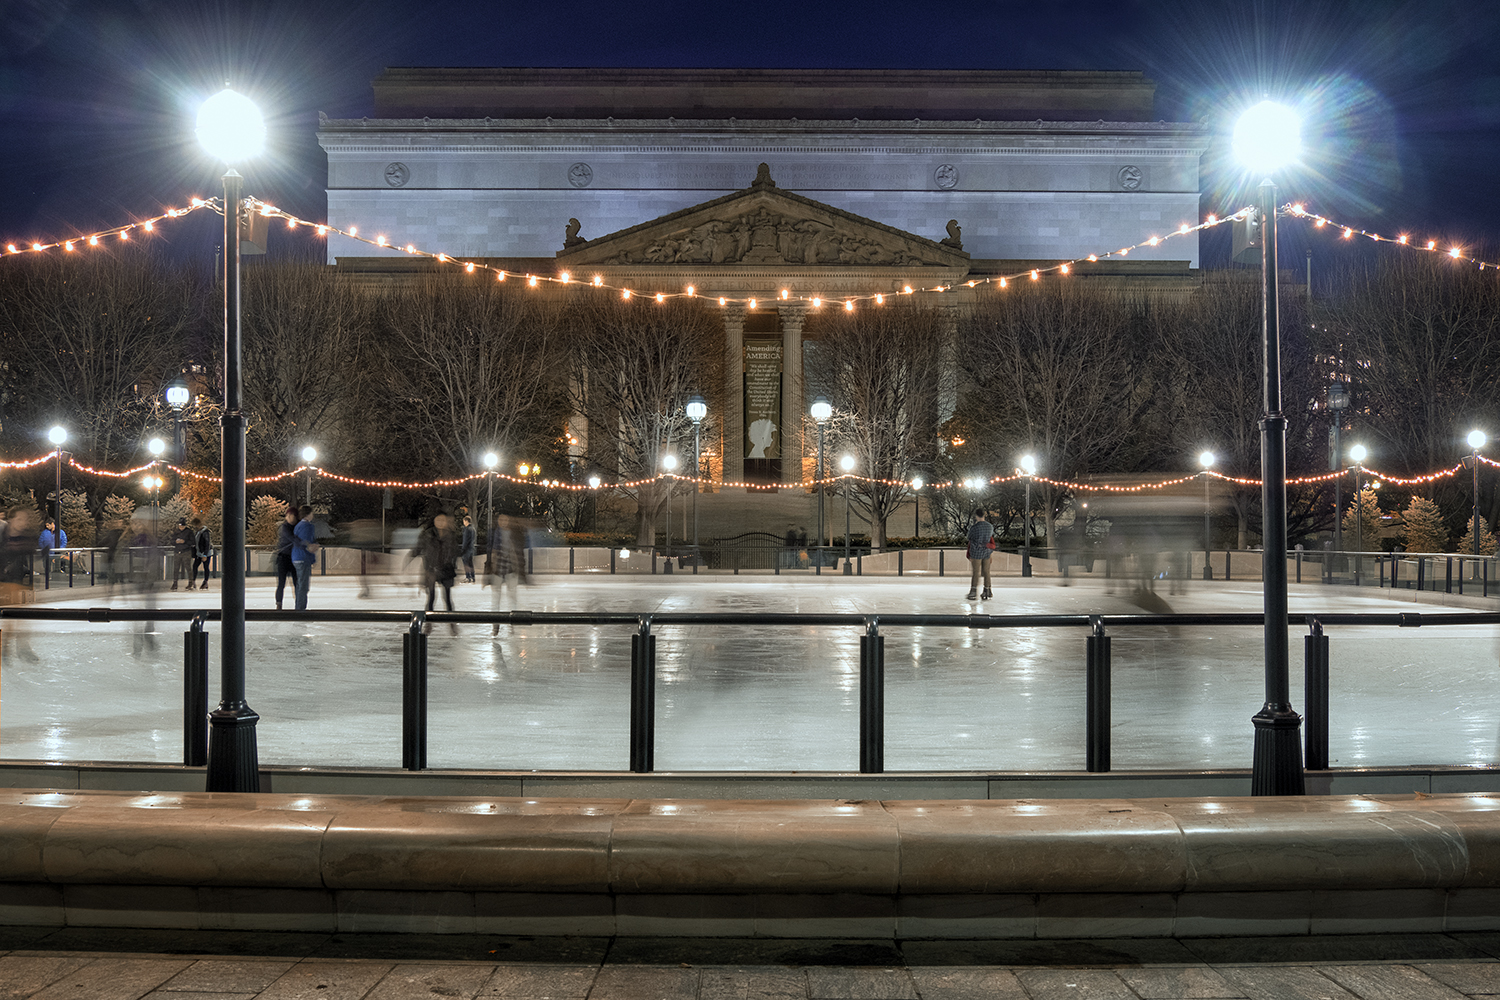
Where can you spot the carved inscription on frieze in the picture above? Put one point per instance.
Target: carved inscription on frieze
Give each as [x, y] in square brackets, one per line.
[766, 237]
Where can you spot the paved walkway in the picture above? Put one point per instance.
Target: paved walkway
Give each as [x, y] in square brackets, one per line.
[95, 964]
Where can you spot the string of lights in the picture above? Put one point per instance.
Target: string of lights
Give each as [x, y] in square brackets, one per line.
[810, 483]
[848, 302]
[1299, 211]
[71, 244]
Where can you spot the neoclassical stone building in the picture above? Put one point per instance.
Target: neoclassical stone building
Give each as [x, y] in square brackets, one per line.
[745, 183]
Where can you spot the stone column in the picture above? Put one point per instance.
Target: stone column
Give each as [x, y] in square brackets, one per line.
[734, 393]
[791, 316]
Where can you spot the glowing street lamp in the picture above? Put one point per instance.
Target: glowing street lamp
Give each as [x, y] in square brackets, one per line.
[231, 129]
[1267, 138]
[669, 462]
[821, 410]
[178, 395]
[697, 409]
[1027, 469]
[309, 456]
[1206, 459]
[1476, 441]
[154, 484]
[58, 435]
[490, 461]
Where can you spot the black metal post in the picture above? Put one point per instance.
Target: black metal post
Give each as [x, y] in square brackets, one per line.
[1315, 679]
[195, 695]
[643, 699]
[821, 539]
[1476, 501]
[414, 696]
[1026, 532]
[848, 570]
[1359, 520]
[1097, 700]
[872, 699]
[1208, 570]
[697, 486]
[233, 756]
[1277, 766]
[57, 522]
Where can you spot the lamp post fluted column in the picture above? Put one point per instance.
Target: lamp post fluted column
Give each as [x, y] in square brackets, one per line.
[1476, 441]
[1277, 764]
[233, 754]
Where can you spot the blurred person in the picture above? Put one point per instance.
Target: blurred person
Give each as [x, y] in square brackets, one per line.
[438, 550]
[981, 547]
[466, 549]
[364, 535]
[20, 543]
[109, 541]
[304, 551]
[182, 553]
[507, 562]
[140, 536]
[285, 539]
[51, 539]
[203, 553]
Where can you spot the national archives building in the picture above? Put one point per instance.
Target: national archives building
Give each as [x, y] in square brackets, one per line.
[744, 183]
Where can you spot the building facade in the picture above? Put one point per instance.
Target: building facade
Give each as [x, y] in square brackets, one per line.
[777, 185]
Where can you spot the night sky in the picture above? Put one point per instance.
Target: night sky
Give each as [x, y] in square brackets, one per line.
[97, 97]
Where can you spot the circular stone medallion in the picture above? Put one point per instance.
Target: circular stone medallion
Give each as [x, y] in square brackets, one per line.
[397, 174]
[580, 175]
[945, 176]
[1130, 177]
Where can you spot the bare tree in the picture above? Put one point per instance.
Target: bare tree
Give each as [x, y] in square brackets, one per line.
[87, 341]
[885, 370]
[305, 349]
[1055, 370]
[633, 367]
[470, 367]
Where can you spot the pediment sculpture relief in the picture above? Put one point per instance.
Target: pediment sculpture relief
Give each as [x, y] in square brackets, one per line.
[766, 237]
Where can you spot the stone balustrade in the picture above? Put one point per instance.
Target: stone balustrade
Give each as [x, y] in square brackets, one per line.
[907, 869]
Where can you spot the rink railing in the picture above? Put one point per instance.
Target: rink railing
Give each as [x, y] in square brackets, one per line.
[1449, 572]
[1095, 724]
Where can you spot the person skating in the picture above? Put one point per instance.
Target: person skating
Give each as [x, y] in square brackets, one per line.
[981, 547]
[182, 553]
[203, 553]
[304, 551]
[438, 549]
[285, 539]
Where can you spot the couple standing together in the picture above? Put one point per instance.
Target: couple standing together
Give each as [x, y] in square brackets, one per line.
[296, 548]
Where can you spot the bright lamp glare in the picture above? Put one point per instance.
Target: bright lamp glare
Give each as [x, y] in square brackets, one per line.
[156, 446]
[1477, 439]
[230, 127]
[1028, 464]
[847, 463]
[57, 435]
[1206, 459]
[309, 454]
[491, 460]
[1268, 137]
[669, 462]
[1358, 453]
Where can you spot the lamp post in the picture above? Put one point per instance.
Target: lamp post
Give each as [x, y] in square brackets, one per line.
[594, 483]
[490, 461]
[821, 410]
[697, 409]
[669, 462]
[1357, 453]
[309, 456]
[916, 500]
[1476, 441]
[1207, 459]
[178, 395]
[154, 484]
[58, 435]
[1267, 138]
[1028, 469]
[1338, 402]
[847, 464]
[231, 129]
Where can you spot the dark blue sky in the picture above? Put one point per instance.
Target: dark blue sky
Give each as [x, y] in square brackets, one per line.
[96, 96]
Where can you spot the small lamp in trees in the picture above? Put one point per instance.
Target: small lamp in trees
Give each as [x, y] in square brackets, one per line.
[1476, 441]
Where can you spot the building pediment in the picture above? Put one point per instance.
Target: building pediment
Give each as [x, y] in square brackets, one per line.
[763, 225]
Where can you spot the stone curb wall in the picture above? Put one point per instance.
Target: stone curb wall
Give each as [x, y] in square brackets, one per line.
[1154, 867]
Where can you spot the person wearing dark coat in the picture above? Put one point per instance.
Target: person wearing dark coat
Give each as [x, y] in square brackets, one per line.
[438, 548]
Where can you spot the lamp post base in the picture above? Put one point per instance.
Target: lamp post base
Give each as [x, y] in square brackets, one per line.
[1277, 766]
[233, 757]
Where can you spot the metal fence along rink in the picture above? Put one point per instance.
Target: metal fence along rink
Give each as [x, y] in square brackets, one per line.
[1094, 631]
